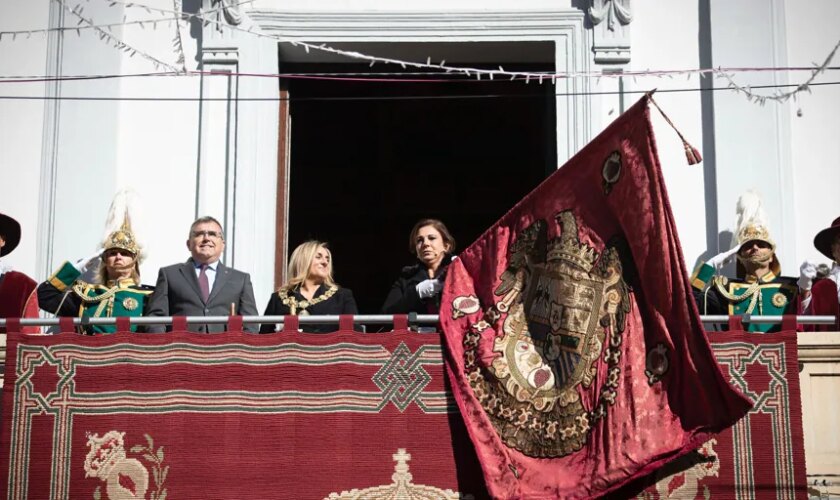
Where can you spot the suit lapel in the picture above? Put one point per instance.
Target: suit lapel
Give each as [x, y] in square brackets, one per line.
[222, 275]
[188, 271]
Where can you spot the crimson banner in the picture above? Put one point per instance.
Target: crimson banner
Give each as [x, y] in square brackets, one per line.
[575, 350]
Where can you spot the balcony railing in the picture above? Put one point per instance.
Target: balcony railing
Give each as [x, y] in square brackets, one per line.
[819, 362]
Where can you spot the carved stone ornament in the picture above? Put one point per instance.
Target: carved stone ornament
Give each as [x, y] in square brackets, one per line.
[611, 29]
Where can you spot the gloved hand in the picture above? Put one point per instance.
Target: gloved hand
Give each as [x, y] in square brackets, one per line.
[83, 264]
[429, 288]
[720, 259]
[807, 273]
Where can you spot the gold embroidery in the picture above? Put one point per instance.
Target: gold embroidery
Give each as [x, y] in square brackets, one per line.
[611, 171]
[82, 290]
[464, 305]
[294, 304]
[753, 292]
[564, 307]
[130, 303]
[57, 283]
[779, 299]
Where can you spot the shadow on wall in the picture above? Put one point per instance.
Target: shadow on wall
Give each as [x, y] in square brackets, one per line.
[194, 7]
[707, 110]
[723, 243]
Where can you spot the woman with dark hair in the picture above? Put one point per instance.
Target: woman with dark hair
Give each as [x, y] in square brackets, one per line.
[419, 285]
[310, 289]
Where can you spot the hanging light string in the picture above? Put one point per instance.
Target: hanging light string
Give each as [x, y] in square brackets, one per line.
[108, 37]
[471, 72]
[373, 77]
[778, 95]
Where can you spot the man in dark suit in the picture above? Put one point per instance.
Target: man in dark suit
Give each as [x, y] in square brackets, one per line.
[203, 286]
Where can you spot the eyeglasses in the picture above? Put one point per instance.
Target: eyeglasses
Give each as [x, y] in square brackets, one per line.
[208, 234]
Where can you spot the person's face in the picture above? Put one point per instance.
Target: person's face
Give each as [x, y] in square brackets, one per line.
[2, 242]
[118, 262]
[206, 242]
[754, 248]
[430, 246]
[835, 249]
[319, 268]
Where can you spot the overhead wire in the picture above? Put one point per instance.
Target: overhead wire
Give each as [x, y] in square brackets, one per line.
[383, 98]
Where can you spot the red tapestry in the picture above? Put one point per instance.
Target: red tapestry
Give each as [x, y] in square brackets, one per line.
[575, 350]
[762, 456]
[233, 415]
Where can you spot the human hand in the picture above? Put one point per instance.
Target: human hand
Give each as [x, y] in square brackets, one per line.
[429, 288]
[720, 259]
[83, 264]
[807, 273]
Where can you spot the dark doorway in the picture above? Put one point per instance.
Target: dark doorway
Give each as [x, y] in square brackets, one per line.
[370, 159]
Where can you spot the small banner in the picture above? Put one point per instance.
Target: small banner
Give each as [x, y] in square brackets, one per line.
[576, 353]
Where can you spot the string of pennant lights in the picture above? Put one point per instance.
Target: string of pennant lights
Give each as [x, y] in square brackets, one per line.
[176, 15]
[107, 36]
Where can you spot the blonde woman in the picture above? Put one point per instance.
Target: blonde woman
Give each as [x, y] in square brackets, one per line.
[310, 289]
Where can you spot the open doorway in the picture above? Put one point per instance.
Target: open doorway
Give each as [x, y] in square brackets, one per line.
[369, 159]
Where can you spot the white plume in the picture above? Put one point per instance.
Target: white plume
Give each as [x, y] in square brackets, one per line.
[748, 212]
[125, 207]
[750, 208]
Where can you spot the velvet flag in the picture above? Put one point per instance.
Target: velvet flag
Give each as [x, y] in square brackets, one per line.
[575, 351]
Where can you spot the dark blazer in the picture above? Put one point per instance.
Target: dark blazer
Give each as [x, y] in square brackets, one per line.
[403, 297]
[342, 302]
[177, 294]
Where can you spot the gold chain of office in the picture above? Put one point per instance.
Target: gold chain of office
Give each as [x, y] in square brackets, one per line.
[295, 305]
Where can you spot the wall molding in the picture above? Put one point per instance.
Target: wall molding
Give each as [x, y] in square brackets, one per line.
[564, 27]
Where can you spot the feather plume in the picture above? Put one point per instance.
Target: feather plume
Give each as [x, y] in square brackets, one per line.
[750, 209]
[123, 214]
[749, 213]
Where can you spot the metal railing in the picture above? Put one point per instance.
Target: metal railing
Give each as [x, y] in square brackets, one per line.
[373, 319]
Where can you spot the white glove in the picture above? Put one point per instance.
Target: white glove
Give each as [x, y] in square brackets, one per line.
[720, 259]
[807, 273]
[83, 264]
[429, 288]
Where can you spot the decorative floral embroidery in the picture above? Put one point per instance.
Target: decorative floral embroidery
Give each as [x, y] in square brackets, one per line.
[611, 171]
[656, 363]
[107, 460]
[402, 487]
[686, 484]
[779, 299]
[464, 305]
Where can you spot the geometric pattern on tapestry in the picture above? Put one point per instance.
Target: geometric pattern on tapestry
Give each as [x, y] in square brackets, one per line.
[735, 358]
[402, 378]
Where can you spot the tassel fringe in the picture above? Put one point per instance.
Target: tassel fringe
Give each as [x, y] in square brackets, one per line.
[692, 154]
